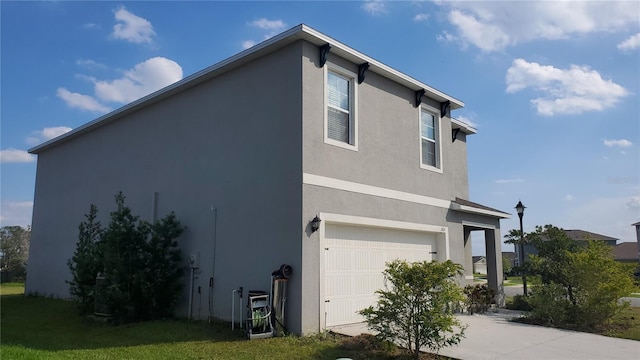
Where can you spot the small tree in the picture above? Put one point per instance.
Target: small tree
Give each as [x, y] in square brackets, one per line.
[14, 247]
[580, 282]
[417, 308]
[85, 263]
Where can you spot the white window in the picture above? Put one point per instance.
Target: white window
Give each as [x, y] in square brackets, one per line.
[340, 119]
[429, 140]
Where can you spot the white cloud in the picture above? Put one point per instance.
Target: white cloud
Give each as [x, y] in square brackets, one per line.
[132, 28]
[15, 156]
[90, 26]
[632, 43]
[90, 64]
[623, 143]
[16, 213]
[487, 37]
[568, 197]
[565, 91]
[375, 7]
[633, 203]
[421, 17]
[267, 24]
[82, 102]
[247, 44]
[40, 136]
[494, 25]
[145, 78]
[509, 181]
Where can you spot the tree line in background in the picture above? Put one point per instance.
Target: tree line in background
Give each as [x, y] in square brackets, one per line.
[14, 252]
[131, 270]
[575, 284]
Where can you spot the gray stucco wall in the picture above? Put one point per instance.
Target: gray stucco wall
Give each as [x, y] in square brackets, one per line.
[388, 157]
[232, 144]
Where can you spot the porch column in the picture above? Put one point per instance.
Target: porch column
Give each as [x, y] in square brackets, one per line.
[468, 256]
[495, 276]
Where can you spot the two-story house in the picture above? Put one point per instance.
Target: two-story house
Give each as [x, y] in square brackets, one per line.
[248, 152]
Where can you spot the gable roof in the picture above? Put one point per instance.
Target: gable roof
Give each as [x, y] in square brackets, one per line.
[636, 224]
[626, 251]
[582, 235]
[299, 32]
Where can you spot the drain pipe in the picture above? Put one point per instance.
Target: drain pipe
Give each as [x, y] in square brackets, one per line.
[191, 294]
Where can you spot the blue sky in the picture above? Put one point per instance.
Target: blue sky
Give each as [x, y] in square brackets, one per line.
[553, 87]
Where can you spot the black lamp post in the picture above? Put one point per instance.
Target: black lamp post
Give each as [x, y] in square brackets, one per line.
[520, 209]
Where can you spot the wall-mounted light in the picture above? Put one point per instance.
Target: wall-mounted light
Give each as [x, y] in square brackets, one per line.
[315, 224]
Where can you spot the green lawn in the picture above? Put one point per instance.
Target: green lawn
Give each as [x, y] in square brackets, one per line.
[41, 328]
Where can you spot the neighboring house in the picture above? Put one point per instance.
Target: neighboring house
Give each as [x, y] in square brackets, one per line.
[511, 257]
[626, 252]
[480, 265]
[249, 151]
[577, 235]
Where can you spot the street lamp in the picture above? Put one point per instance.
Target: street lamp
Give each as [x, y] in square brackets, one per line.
[520, 209]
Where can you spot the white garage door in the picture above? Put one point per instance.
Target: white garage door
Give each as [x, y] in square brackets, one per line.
[354, 259]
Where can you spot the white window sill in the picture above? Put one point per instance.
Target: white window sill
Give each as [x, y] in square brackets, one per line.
[341, 144]
[431, 168]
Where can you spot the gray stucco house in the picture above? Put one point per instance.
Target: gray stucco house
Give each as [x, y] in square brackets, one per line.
[248, 151]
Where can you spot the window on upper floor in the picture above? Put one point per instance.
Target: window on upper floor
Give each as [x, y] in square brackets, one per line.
[340, 117]
[429, 140]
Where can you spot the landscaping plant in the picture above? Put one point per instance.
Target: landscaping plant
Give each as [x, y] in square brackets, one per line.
[138, 264]
[580, 282]
[416, 309]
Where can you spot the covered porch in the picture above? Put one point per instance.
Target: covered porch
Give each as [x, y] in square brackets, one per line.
[476, 218]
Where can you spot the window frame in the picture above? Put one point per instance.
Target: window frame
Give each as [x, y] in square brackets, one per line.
[353, 116]
[438, 137]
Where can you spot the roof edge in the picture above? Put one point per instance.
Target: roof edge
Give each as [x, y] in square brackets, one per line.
[298, 32]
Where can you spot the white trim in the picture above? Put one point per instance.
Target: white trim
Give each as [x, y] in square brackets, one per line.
[353, 106]
[473, 210]
[317, 180]
[438, 134]
[442, 240]
[466, 128]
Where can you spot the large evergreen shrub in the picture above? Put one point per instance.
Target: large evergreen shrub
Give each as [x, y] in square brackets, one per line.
[139, 265]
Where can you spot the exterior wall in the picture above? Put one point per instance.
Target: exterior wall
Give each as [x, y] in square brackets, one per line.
[388, 137]
[230, 146]
[388, 145]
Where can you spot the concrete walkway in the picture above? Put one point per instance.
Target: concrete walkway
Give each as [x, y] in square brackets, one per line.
[493, 336]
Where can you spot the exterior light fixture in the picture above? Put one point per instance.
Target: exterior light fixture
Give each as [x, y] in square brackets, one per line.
[315, 224]
[520, 209]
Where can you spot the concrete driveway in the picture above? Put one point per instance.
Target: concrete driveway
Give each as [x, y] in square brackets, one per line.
[493, 336]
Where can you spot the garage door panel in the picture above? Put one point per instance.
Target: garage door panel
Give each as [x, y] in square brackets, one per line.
[354, 259]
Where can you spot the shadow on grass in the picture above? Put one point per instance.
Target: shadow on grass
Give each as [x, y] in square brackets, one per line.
[52, 324]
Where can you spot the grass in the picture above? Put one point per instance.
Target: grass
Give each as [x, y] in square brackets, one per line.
[42, 328]
[626, 325]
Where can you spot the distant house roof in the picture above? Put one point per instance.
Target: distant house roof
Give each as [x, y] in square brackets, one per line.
[586, 235]
[626, 251]
[478, 258]
[636, 224]
[299, 32]
[509, 255]
[472, 207]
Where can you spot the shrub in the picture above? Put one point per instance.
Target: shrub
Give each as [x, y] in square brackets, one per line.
[519, 302]
[417, 309]
[478, 298]
[138, 265]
